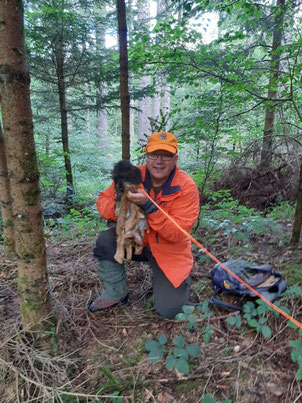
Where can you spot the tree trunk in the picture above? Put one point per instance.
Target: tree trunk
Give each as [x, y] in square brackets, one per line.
[22, 168]
[101, 116]
[267, 143]
[161, 99]
[124, 92]
[6, 206]
[156, 101]
[166, 101]
[298, 214]
[64, 124]
[131, 75]
[102, 120]
[144, 104]
[144, 112]
[87, 117]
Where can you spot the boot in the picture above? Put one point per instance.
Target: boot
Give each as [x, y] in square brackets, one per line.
[115, 285]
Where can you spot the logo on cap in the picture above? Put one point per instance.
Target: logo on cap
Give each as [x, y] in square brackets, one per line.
[163, 136]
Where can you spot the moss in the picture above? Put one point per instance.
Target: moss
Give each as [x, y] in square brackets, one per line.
[30, 168]
[7, 241]
[34, 306]
[293, 274]
[32, 197]
[244, 376]
[9, 223]
[37, 249]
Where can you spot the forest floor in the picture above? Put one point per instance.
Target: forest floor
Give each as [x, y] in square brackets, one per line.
[101, 357]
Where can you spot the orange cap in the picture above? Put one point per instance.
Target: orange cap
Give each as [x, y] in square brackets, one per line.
[162, 141]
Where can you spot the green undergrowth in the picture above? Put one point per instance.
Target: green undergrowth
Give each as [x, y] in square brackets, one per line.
[293, 273]
[226, 218]
[77, 224]
[178, 354]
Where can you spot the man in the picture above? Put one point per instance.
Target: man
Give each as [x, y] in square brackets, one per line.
[167, 248]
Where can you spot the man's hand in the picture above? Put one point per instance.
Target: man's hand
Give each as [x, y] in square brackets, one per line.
[137, 197]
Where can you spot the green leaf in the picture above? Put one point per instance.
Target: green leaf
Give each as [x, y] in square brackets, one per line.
[205, 307]
[299, 374]
[162, 339]
[179, 341]
[155, 355]
[262, 321]
[292, 325]
[249, 307]
[231, 320]
[181, 317]
[295, 355]
[182, 366]
[188, 309]
[151, 345]
[180, 353]
[208, 399]
[170, 362]
[297, 344]
[253, 323]
[266, 331]
[193, 349]
[207, 337]
[261, 309]
[285, 309]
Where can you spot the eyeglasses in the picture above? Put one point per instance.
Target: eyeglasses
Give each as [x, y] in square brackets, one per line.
[164, 157]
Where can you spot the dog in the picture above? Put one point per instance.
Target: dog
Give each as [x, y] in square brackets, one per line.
[131, 220]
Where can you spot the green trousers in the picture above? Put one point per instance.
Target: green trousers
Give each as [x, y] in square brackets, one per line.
[114, 278]
[168, 300]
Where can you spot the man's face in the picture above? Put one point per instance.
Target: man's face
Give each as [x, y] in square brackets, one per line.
[159, 167]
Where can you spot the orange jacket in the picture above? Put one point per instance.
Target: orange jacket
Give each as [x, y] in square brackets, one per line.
[169, 246]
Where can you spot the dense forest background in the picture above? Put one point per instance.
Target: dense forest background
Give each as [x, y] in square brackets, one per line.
[225, 78]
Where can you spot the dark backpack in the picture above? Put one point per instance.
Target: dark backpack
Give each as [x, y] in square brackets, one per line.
[262, 278]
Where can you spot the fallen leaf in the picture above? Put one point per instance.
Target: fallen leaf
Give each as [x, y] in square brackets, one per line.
[223, 387]
[148, 395]
[164, 397]
[276, 390]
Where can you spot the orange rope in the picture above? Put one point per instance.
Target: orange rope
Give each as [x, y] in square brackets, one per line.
[290, 318]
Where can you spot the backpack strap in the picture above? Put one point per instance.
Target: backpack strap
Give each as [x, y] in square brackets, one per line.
[216, 301]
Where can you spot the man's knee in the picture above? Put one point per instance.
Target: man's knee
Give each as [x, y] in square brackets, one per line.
[106, 245]
[168, 301]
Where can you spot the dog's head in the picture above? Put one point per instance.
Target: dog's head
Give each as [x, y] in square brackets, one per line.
[124, 172]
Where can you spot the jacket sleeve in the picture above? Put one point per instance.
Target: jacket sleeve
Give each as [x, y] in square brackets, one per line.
[106, 203]
[184, 210]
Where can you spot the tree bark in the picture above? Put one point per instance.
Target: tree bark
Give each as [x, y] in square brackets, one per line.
[131, 75]
[124, 91]
[22, 168]
[64, 123]
[5, 202]
[166, 101]
[161, 99]
[144, 104]
[144, 112]
[101, 118]
[267, 143]
[298, 214]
